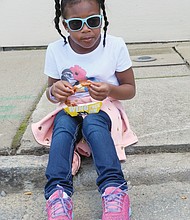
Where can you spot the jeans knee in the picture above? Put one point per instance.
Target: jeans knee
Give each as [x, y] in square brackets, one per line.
[95, 122]
[66, 123]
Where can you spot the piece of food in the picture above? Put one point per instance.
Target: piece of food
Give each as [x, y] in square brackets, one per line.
[85, 83]
[82, 86]
[69, 103]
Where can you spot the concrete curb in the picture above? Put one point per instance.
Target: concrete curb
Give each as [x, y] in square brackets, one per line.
[27, 172]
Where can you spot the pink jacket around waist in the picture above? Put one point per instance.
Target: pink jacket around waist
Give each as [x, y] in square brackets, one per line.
[121, 133]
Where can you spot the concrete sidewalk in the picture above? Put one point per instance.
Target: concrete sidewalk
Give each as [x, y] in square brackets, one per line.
[159, 115]
[155, 202]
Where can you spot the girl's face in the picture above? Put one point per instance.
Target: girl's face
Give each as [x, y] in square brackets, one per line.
[86, 39]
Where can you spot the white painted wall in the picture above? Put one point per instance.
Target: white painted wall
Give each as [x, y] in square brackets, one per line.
[30, 22]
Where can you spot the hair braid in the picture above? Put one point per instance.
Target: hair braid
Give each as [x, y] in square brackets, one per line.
[57, 19]
[102, 5]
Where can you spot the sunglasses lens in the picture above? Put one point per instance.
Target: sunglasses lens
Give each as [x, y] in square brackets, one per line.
[75, 24]
[94, 22]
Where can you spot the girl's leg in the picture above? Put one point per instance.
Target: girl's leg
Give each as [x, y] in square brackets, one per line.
[96, 131]
[59, 168]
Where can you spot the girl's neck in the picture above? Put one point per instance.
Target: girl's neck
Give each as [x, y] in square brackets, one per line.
[80, 50]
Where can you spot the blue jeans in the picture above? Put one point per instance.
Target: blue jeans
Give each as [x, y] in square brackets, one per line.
[95, 128]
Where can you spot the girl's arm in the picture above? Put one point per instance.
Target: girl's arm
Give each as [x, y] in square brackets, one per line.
[58, 90]
[125, 90]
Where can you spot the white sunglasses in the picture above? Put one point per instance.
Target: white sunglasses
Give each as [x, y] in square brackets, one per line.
[76, 24]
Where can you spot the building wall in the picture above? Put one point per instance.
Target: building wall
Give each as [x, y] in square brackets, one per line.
[30, 22]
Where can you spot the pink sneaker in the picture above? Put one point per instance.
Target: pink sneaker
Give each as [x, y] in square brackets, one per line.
[116, 205]
[59, 206]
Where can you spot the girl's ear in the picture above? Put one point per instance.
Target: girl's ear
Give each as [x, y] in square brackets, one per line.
[65, 26]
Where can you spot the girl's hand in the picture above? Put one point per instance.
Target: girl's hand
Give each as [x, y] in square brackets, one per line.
[61, 90]
[99, 90]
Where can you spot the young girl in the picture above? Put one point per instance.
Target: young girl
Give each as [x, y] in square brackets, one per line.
[102, 61]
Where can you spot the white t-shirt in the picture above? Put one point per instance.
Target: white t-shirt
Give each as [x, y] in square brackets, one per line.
[99, 65]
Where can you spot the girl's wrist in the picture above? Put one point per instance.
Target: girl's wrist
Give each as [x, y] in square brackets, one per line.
[51, 96]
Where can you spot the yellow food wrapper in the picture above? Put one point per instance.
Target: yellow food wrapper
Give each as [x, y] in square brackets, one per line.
[87, 108]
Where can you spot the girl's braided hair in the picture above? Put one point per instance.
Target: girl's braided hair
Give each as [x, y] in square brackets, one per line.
[60, 10]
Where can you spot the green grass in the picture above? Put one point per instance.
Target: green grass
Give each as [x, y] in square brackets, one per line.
[23, 126]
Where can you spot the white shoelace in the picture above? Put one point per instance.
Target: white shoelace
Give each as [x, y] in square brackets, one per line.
[114, 201]
[60, 206]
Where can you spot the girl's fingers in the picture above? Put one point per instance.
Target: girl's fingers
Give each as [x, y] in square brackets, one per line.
[62, 93]
[67, 85]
